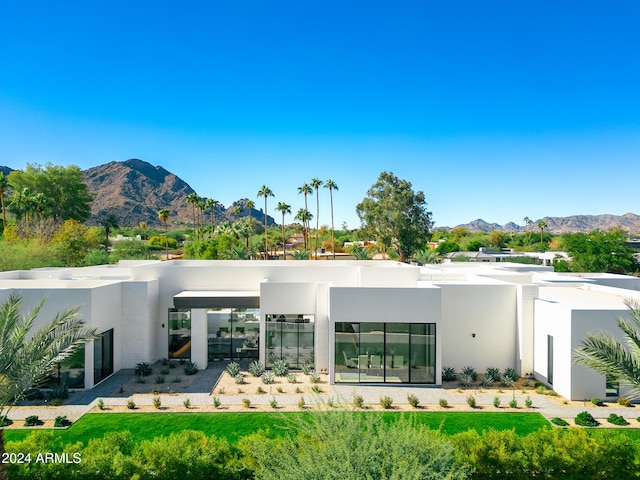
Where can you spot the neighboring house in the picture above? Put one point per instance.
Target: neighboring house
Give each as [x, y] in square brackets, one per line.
[374, 322]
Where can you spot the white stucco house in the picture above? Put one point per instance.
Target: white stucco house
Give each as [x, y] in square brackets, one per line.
[373, 322]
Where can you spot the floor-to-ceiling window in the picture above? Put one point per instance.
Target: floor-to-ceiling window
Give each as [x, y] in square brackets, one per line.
[375, 352]
[103, 356]
[550, 359]
[180, 333]
[291, 338]
[233, 333]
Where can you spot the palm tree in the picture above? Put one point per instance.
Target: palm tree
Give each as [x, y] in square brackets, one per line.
[164, 215]
[317, 183]
[4, 183]
[39, 200]
[211, 204]
[541, 225]
[249, 205]
[193, 198]
[143, 226]
[237, 210]
[284, 208]
[266, 193]
[305, 217]
[331, 185]
[200, 206]
[305, 189]
[27, 357]
[108, 223]
[605, 354]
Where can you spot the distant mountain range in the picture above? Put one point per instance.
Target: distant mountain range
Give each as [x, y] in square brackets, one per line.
[575, 223]
[134, 190]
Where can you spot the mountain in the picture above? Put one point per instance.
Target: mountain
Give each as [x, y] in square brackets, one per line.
[6, 170]
[629, 222]
[134, 190]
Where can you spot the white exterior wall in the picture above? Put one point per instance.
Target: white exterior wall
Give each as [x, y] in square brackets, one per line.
[489, 312]
[525, 298]
[389, 305]
[140, 328]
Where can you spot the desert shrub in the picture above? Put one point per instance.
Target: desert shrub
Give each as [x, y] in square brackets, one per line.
[528, 402]
[157, 402]
[56, 402]
[316, 389]
[301, 403]
[159, 379]
[492, 373]
[61, 421]
[176, 379]
[506, 381]
[624, 402]
[191, 368]
[314, 377]
[413, 400]
[32, 421]
[280, 368]
[143, 369]
[298, 390]
[358, 401]
[187, 403]
[471, 401]
[306, 368]
[256, 368]
[511, 373]
[260, 391]
[560, 422]
[164, 371]
[131, 405]
[100, 404]
[465, 380]
[216, 402]
[239, 378]
[552, 393]
[268, 378]
[5, 422]
[279, 389]
[541, 389]
[443, 403]
[513, 403]
[617, 420]
[291, 378]
[246, 403]
[449, 374]
[496, 402]
[596, 401]
[486, 380]
[233, 369]
[585, 419]
[273, 402]
[471, 372]
[60, 391]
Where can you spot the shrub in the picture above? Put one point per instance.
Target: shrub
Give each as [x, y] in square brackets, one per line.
[164, 371]
[260, 391]
[513, 403]
[191, 368]
[358, 401]
[471, 372]
[617, 420]
[560, 422]
[239, 379]
[541, 389]
[291, 378]
[176, 379]
[187, 403]
[280, 368]
[552, 393]
[56, 402]
[492, 373]
[527, 383]
[256, 368]
[596, 401]
[32, 421]
[465, 380]
[157, 403]
[216, 402]
[298, 390]
[140, 380]
[624, 402]
[496, 402]
[60, 391]
[268, 378]
[5, 422]
[585, 419]
[506, 381]
[471, 401]
[486, 380]
[449, 374]
[386, 402]
[511, 373]
[246, 403]
[528, 402]
[131, 405]
[316, 389]
[143, 369]
[413, 400]
[301, 403]
[279, 389]
[443, 403]
[233, 369]
[314, 377]
[306, 368]
[273, 402]
[100, 404]
[61, 421]
[159, 379]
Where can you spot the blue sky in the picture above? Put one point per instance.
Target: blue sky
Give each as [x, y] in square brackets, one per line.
[496, 110]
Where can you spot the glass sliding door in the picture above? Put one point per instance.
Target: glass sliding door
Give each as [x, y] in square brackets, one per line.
[290, 338]
[103, 356]
[347, 349]
[423, 353]
[180, 334]
[397, 353]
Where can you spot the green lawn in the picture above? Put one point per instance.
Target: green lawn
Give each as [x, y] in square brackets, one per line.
[232, 426]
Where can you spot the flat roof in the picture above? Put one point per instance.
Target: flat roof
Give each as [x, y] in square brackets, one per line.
[217, 299]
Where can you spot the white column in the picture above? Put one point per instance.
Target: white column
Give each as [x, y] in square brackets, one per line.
[199, 345]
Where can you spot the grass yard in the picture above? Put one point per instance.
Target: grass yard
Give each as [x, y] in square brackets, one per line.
[232, 426]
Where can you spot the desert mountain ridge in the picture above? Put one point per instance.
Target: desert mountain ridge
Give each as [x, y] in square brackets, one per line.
[134, 190]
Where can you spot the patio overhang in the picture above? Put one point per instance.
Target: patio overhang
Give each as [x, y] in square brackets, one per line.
[217, 299]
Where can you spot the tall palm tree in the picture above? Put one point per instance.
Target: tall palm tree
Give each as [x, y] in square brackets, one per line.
[305, 217]
[305, 189]
[317, 183]
[193, 198]
[4, 184]
[331, 185]
[211, 204]
[39, 200]
[200, 206]
[237, 210]
[108, 223]
[164, 216]
[284, 208]
[143, 226]
[541, 225]
[266, 193]
[605, 354]
[27, 357]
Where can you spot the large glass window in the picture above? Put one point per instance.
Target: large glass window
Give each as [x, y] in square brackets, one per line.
[180, 334]
[385, 352]
[103, 356]
[291, 338]
[233, 333]
[612, 386]
[550, 359]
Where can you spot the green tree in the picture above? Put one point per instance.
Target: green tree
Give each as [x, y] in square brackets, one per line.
[395, 215]
[283, 208]
[541, 225]
[317, 183]
[192, 199]
[305, 190]
[28, 356]
[600, 251]
[4, 184]
[67, 195]
[108, 223]
[331, 185]
[426, 256]
[72, 242]
[266, 193]
[143, 226]
[605, 354]
[211, 205]
[164, 215]
[304, 216]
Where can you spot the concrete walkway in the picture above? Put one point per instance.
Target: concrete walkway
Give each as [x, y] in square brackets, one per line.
[199, 394]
